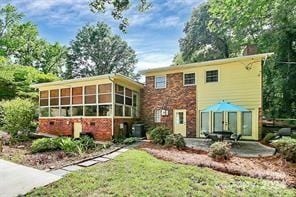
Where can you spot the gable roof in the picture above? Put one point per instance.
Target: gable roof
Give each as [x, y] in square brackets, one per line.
[206, 63]
[99, 77]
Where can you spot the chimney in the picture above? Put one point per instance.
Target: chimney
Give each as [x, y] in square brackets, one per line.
[250, 49]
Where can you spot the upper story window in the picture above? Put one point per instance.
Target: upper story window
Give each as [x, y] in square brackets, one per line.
[160, 82]
[189, 79]
[212, 76]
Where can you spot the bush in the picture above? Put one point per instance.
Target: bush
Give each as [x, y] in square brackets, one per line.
[220, 151]
[44, 144]
[69, 146]
[18, 116]
[87, 142]
[293, 135]
[118, 139]
[130, 140]
[268, 137]
[287, 148]
[66, 144]
[175, 140]
[159, 134]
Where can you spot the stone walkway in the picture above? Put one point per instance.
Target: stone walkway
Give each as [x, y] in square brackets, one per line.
[241, 148]
[84, 164]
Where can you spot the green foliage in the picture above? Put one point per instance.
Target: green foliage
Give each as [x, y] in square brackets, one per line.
[15, 80]
[130, 140]
[159, 134]
[66, 144]
[44, 144]
[18, 116]
[21, 43]
[200, 42]
[287, 148]
[175, 140]
[87, 143]
[268, 137]
[69, 146]
[118, 139]
[118, 9]
[293, 135]
[220, 151]
[106, 53]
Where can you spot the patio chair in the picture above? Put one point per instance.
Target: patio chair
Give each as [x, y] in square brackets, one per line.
[283, 132]
[235, 137]
[206, 134]
[213, 137]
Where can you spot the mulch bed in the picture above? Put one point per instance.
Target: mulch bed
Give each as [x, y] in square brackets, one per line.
[272, 168]
[21, 153]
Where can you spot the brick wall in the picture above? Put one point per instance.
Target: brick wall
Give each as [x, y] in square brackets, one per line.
[174, 96]
[122, 132]
[100, 128]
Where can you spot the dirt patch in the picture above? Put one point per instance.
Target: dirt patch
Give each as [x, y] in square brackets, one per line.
[21, 153]
[272, 168]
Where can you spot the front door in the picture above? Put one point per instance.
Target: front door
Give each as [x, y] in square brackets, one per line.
[77, 129]
[180, 121]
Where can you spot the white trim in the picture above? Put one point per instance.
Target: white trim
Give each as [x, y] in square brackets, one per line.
[165, 81]
[195, 81]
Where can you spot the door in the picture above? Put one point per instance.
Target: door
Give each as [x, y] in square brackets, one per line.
[218, 121]
[77, 129]
[232, 122]
[180, 122]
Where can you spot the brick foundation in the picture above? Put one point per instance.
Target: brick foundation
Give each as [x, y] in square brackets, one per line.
[100, 128]
[174, 96]
[122, 132]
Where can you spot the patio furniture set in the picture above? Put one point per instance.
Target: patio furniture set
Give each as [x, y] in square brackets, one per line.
[222, 135]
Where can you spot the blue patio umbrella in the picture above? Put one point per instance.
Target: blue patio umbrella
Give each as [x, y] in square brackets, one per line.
[223, 106]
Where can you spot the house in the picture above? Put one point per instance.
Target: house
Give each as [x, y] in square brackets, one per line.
[101, 106]
[175, 96]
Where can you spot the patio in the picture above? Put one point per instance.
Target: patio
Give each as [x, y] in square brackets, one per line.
[241, 148]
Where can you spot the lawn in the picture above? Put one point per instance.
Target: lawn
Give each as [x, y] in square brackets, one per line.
[136, 173]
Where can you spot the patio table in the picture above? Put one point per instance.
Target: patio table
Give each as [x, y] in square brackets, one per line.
[223, 134]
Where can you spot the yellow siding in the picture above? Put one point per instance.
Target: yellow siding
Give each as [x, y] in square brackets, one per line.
[237, 84]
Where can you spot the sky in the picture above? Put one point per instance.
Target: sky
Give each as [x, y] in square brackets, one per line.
[153, 35]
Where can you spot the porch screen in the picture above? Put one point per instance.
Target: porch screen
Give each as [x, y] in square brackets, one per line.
[247, 123]
[205, 121]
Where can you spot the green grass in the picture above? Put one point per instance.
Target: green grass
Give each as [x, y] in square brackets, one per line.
[136, 173]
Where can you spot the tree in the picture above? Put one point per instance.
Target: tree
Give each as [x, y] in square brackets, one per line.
[118, 8]
[272, 26]
[20, 42]
[96, 51]
[200, 42]
[15, 80]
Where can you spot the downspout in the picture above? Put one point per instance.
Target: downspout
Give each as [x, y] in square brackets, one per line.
[113, 106]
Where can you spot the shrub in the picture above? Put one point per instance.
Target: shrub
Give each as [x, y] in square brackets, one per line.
[118, 139]
[220, 151]
[159, 134]
[87, 142]
[175, 140]
[130, 140]
[69, 146]
[44, 144]
[287, 148]
[268, 137]
[293, 135]
[18, 116]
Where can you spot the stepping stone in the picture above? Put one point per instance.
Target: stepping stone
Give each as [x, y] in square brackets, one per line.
[72, 168]
[101, 159]
[123, 150]
[88, 163]
[60, 172]
[112, 155]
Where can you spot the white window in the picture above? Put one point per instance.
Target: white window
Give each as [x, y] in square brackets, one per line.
[189, 79]
[160, 82]
[212, 76]
[157, 116]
